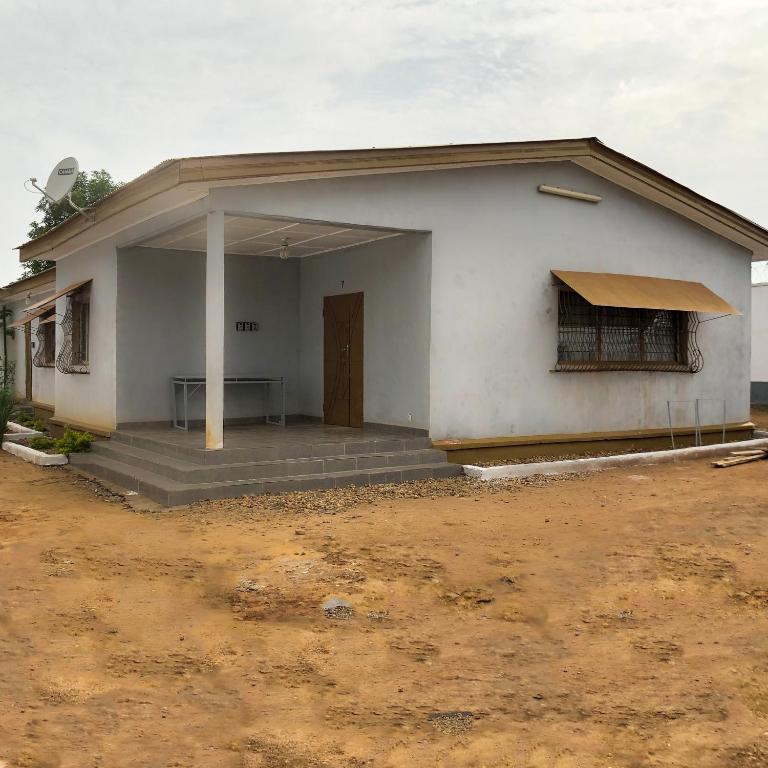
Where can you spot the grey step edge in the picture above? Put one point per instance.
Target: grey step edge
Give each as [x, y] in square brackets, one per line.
[169, 492]
[190, 472]
[273, 452]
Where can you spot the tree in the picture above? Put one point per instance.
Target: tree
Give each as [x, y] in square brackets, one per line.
[87, 190]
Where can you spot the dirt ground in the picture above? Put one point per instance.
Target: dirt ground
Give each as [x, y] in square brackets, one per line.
[759, 416]
[618, 619]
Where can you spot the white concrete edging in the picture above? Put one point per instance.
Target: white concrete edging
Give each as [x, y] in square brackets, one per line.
[608, 462]
[18, 432]
[40, 458]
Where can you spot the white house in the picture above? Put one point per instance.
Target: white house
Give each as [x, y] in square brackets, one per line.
[485, 297]
[31, 347]
[760, 343]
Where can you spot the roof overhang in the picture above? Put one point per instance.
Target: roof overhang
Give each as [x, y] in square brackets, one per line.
[255, 235]
[176, 183]
[46, 277]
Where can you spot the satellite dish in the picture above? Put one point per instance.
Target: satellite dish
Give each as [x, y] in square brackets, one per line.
[60, 183]
[62, 179]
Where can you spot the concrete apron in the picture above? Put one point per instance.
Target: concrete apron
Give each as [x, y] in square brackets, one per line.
[609, 462]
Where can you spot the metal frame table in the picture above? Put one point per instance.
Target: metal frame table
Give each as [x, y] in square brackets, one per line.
[189, 385]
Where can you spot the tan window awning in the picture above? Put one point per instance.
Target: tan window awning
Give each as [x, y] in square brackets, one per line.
[604, 289]
[45, 305]
[24, 319]
[52, 299]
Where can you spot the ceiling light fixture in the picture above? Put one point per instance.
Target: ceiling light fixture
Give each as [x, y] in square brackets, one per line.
[284, 249]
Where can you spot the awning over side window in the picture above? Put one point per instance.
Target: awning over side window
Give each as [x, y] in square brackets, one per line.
[28, 318]
[43, 306]
[51, 299]
[604, 289]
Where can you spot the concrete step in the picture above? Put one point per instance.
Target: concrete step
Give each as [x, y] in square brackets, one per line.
[170, 492]
[185, 471]
[280, 451]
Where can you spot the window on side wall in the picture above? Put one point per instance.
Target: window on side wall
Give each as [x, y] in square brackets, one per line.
[45, 354]
[74, 355]
[81, 315]
[595, 338]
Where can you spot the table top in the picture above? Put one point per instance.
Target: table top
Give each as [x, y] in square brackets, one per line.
[229, 380]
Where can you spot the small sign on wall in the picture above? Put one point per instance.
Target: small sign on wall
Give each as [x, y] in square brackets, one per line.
[246, 325]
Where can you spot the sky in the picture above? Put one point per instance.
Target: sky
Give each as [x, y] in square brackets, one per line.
[678, 84]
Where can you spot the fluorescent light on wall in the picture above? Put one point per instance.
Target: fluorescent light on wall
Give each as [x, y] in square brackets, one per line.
[587, 198]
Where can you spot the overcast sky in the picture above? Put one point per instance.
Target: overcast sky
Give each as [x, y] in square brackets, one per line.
[679, 84]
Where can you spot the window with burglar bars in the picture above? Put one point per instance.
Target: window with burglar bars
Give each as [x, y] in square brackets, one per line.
[45, 354]
[593, 338]
[75, 347]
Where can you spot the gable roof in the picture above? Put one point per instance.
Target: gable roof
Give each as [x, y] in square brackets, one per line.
[176, 182]
[29, 282]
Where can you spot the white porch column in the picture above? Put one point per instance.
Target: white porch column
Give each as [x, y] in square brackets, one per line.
[214, 332]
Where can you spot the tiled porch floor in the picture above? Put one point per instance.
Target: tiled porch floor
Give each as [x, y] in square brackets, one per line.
[268, 435]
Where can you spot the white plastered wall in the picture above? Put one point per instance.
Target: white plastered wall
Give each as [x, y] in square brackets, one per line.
[16, 354]
[393, 275]
[43, 379]
[493, 307]
[89, 399]
[161, 330]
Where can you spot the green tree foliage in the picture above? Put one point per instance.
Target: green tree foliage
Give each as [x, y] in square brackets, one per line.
[87, 190]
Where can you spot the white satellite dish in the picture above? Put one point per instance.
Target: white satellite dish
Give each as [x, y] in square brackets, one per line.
[62, 179]
[60, 183]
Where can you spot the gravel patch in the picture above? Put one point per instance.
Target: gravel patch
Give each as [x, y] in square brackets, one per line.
[342, 499]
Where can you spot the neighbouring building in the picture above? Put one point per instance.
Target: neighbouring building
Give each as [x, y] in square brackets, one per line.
[760, 343]
[32, 345]
[489, 298]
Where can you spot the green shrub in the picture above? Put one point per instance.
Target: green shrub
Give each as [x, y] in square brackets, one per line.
[73, 442]
[30, 422]
[7, 407]
[40, 443]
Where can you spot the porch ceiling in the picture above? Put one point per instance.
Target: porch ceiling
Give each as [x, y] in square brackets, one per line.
[263, 236]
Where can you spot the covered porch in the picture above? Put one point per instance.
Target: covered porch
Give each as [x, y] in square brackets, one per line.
[272, 319]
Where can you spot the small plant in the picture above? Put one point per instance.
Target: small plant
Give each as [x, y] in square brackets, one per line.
[7, 407]
[41, 443]
[30, 422]
[73, 442]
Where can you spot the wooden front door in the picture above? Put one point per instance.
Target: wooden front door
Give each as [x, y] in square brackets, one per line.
[343, 360]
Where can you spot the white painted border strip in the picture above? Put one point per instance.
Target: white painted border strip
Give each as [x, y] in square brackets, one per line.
[40, 458]
[18, 432]
[608, 462]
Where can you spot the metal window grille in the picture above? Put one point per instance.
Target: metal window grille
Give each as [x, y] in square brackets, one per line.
[45, 354]
[592, 338]
[74, 351]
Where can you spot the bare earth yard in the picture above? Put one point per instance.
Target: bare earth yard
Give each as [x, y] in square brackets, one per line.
[618, 619]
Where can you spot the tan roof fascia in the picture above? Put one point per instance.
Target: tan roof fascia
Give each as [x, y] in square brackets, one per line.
[162, 178]
[217, 168]
[201, 173]
[654, 186]
[24, 285]
[155, 191]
